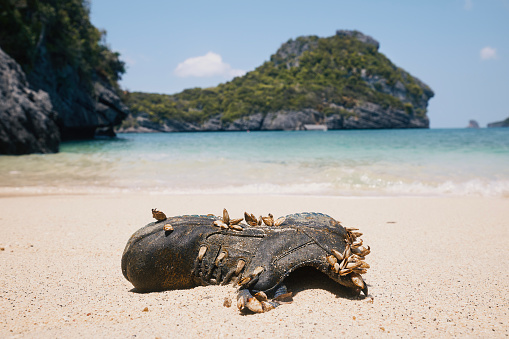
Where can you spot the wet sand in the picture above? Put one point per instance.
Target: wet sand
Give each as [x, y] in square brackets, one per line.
[439, 268]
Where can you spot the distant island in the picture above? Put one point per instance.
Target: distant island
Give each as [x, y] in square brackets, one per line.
[338, 82]
[503, 123]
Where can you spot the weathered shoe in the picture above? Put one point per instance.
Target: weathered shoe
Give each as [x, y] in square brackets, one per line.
[188, 251]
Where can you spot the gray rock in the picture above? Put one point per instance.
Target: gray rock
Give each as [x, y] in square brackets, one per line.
[291, 51]
[334, 121]
[81, 110]
[365, 116]
[213, 124]
[291, 120]
[27, 119]
[39, 109]
[473, 124]
[373, 116]
[144, 123]
[109, 107]
[250, 123]
[359, 36]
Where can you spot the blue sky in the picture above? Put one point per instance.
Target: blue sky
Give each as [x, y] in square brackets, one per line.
[460, 48]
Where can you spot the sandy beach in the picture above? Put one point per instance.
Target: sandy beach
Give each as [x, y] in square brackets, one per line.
[439, 268]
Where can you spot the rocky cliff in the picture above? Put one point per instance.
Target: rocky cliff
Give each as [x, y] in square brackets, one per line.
[28, 122]
[37, 112]
[367, 116]
[58, 78]
[81, 109]
[342, 82]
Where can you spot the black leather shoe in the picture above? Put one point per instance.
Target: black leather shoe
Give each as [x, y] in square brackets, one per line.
[188, 251]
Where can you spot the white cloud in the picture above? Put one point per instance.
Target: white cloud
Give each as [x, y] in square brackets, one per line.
[488, 53]
[208, 65]
[468, 4]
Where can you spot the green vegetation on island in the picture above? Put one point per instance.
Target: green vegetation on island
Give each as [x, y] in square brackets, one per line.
[331, 75]
[63, 29]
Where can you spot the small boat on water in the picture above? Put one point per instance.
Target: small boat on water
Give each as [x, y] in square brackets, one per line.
[311, 127]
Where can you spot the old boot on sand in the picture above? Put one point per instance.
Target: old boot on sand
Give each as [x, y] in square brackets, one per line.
[188, 251]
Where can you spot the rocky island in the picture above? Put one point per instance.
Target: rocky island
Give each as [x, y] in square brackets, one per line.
[338, 82]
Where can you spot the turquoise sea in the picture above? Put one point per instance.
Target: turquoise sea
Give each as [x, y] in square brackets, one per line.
[435, 162]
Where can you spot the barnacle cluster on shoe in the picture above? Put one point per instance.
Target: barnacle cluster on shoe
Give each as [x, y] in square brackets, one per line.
[227, 223]
[351, 260]
[268, 220]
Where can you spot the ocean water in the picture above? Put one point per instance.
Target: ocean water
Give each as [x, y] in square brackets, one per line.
[435, 162]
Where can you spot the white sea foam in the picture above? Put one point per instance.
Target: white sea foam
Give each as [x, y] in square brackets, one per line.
[473, 188]
[258, 189]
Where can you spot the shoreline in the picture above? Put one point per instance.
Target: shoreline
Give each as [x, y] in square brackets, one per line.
[438, 267]
[37, 192]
